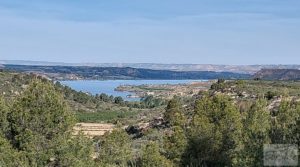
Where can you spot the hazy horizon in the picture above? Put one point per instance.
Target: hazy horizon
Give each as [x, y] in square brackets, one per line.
[76, 63]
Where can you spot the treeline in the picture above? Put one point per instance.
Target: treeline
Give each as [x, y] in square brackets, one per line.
[86, 98]
[145, 102]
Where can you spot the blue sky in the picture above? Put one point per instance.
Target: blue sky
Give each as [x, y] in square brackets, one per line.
[151, 31]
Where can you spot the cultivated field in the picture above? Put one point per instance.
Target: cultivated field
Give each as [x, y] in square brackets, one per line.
[93, 129]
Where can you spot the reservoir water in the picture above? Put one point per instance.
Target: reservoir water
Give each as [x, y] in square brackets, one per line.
[108, 86]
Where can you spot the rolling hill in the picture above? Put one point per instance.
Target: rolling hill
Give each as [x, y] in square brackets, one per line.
[278, 74]
[246, 69]
[88, 72]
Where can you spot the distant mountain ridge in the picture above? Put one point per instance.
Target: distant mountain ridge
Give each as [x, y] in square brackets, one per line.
[88, 72]
[246, 69]
[278, 74]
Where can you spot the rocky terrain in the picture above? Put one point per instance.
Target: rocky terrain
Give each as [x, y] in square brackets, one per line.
[166, 91]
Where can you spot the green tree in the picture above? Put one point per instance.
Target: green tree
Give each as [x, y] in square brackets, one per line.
[104, 97]
[174, 113]
[285, 128]
[38, 118]
[219, 85]
[115, 148]
[76, 151]
[10, 157]
[256, 128]
[3, 116]
[35, 129]
[151, 157]
[175, 144]
[270, 95]
[151, 101]
[118, 100]
[214, 133]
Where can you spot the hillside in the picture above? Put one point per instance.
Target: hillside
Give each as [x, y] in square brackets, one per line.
[278, 74]
[232, 111]
[87, 108]
[246, 69]
[88, 72]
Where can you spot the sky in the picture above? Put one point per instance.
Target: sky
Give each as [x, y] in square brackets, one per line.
[151, 31]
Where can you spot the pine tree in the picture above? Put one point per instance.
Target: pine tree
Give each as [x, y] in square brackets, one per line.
[76, 151]
[285, 127]
[115, 148]
[3, 116]
[151, 157]
[174, 115]
[175, 144]
[10, 157]
[40, 127]
[256, 128]
[214, 133]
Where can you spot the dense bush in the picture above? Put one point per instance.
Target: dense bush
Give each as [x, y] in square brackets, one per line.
[38, 131]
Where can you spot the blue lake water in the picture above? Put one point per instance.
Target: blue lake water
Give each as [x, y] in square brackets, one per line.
[108, 86]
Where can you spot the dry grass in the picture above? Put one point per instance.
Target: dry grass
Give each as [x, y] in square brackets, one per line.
[93, 129]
